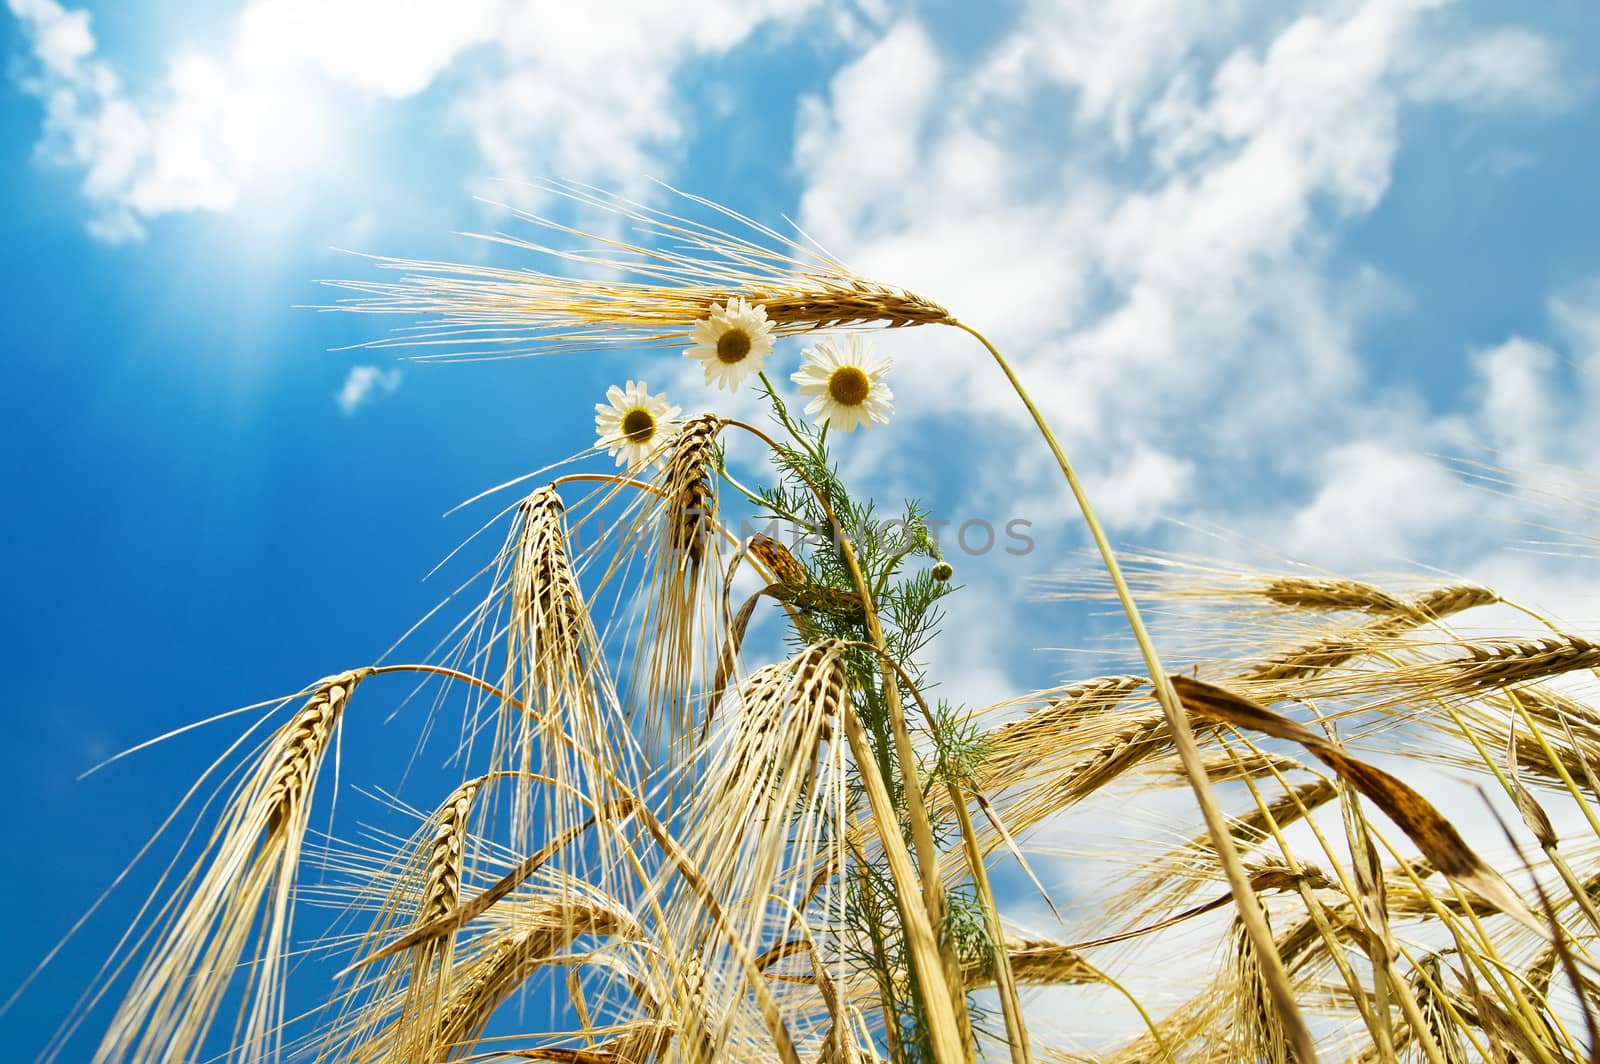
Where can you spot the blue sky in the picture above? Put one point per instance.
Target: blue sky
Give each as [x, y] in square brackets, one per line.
[1269, 267]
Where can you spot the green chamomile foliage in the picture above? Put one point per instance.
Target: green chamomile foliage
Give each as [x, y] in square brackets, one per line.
[899, 561]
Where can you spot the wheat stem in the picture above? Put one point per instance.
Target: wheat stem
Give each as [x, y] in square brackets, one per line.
[1249, 905]
[1275, 825]
[1005, 980]
[1555, 764]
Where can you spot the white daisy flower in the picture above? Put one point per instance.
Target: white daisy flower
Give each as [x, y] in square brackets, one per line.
[632, 424]
[732, 342]
[844, 379]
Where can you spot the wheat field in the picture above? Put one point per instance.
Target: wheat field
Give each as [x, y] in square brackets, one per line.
[708, 807]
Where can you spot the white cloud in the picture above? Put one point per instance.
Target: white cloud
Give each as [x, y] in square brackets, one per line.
[1533, 407]
[1509, 67]
[1483, 488]
[1376, 504]
[1114, 56]
[1140, 487]
[1202, 288]
[973, 652]
[269, 103]
[88, 125]
[61, 38]
[1577, 315]
[585, 93]
[364, 384]
[1517, 407]
[1137, 201]
[590, 93]
[191, 144]
[855, 158]
[390, 48]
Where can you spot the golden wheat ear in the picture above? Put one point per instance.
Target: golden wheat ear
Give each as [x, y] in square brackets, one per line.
[767, 770]
[674, 632]
[1153, 892]
[1389, 622]
[240, 892]
[1082, 739]
[563, 720]
[466, 944]
[652, 293]
[1257, 1026]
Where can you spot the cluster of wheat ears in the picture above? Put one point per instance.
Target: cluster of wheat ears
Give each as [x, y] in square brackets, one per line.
[676, 854]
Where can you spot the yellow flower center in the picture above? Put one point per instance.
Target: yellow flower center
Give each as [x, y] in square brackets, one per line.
[848, 386]
[733, 346]
[638, 424]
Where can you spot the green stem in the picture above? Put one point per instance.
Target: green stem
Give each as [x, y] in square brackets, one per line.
[789, 426]
[1004, 980]
[1182, 736]
[916, 809]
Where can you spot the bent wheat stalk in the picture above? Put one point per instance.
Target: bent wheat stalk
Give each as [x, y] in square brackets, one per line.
[1250, 911]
